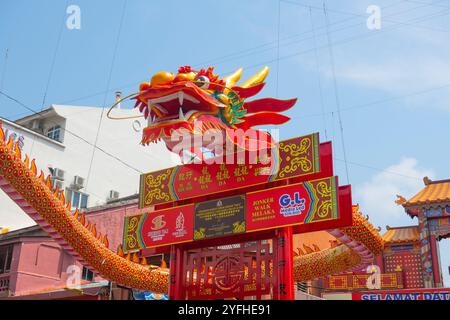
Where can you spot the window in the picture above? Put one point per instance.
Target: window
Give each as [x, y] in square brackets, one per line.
[77, 199]
[5, 258]
[54, 133]
[87, 274]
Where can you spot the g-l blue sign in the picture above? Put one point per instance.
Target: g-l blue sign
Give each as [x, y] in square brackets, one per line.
[291, 206]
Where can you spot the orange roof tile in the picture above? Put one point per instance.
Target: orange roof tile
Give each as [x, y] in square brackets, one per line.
[401, 234]
[434, 192]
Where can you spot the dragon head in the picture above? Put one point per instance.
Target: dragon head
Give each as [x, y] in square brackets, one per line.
[178, 102]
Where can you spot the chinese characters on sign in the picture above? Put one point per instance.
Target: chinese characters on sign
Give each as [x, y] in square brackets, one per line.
[295, 157]
[297, 204]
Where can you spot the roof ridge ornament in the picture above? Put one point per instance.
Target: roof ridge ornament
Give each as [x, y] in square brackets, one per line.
[400, 200]
[427, 180]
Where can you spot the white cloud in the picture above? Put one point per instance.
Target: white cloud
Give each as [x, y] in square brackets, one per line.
[376, 197]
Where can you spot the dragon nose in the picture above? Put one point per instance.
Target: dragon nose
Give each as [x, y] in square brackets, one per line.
[161, 78]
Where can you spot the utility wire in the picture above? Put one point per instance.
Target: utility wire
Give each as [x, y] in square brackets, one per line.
[376, 102]
[379, 169]
[70, 132]
[336, 93]
[52, 65]
[50, 73]
[346, 40]
[278, 47]
[319, 82]
[250, 51]
[108, 83]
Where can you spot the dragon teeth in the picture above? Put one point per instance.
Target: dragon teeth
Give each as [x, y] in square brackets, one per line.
[180, 97]
[181, 115]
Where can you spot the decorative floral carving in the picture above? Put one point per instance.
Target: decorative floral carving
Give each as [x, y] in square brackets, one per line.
[297, 157]
[154, 186]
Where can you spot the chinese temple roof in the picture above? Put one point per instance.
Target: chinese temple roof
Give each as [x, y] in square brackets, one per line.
[401, 234]
[434, 192]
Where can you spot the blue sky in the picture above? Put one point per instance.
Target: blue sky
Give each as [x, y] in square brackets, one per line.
[392, 85]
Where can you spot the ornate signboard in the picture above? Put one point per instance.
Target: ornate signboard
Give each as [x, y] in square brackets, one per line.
[295, 157]
[407, 294]
[220, 217]
[153, 229]
[307, 203]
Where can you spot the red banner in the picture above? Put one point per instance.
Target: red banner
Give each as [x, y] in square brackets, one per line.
[312, 201]
[158, 228]
[409, 294]
[293, 158]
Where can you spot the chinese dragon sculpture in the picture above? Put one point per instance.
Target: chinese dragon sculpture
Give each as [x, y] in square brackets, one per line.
[173, 103]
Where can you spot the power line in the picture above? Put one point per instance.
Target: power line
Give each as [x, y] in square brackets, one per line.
[70, 132]
[376, 102]
[50, 74]
[319, 82]
[248, 51]
[52, 65]
[106, 91]
[346, 40]
[384, 17]
[336, 93]
[278, 46]
[379, 169]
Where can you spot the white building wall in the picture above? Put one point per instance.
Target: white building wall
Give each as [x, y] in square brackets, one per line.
[74, 156]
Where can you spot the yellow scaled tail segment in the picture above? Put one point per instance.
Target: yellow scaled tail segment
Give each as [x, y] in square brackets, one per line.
[50, 207]
[19, 179]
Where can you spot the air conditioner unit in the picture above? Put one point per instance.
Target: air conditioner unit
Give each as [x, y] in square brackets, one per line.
[113, 195]
[58, 184]
[58, 174]
[78, 182]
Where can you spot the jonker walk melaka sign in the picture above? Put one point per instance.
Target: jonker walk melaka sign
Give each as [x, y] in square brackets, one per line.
[309, 202]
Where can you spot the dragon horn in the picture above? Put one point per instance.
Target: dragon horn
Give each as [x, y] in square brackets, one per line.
[2, 134]
[94, 230]
[42, 177]
[144, 261]
[135, 258]
[232, 79]
[256, 78]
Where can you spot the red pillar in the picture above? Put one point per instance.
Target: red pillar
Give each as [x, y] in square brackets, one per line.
[435, 260]
[173, 272]
[176, 279]
[285, 274]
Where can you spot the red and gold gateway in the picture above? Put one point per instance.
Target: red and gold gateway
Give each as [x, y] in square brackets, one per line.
[234, 229]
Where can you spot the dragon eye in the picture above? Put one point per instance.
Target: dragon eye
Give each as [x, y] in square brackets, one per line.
[203, 82]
